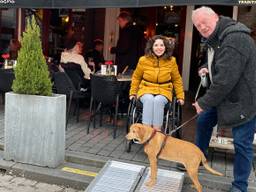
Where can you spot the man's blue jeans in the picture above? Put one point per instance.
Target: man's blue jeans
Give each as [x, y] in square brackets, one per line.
[243, 138]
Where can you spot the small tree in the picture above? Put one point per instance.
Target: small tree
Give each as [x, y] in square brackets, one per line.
[31, 72]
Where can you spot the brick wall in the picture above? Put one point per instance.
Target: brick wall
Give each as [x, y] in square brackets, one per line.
[247, 15]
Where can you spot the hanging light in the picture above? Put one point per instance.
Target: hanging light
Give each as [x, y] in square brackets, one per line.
[66, 19]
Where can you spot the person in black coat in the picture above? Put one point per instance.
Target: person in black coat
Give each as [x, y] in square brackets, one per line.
[130, 45]
[230, 100]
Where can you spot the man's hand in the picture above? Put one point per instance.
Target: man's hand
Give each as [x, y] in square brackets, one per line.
[198, 108]
[203, 71]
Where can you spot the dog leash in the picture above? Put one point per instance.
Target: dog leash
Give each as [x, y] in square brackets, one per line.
[192, 118]
[198, 90]
[183, 124]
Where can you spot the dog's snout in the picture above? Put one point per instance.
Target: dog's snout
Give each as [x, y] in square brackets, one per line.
[128, 136]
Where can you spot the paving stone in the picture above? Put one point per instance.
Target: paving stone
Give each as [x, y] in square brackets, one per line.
[18, 180]
[100, 143]
[104, 152]
[42, 187]
[9, 183]
[218, 162]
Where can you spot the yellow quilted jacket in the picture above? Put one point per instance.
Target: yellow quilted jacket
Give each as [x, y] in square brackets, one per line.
[157, 76]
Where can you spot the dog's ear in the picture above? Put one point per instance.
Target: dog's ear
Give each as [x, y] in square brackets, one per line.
[137, 125]
[139, 130]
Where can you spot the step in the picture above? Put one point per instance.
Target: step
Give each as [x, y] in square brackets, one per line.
[72, 175]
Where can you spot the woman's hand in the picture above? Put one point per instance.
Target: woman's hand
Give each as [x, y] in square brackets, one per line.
[132, 97]
[181, 101]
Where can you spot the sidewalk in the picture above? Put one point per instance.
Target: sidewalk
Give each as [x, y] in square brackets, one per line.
[94, 149]
[10, 183]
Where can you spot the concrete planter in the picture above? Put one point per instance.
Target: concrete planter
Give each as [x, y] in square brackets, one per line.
[35, 129]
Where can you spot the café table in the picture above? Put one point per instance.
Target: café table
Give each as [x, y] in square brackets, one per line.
[126, 78]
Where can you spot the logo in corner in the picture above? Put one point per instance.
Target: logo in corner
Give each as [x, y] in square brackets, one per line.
[7, 2]
[247, 2]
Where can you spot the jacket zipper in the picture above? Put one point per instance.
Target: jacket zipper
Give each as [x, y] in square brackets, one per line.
[158, 74]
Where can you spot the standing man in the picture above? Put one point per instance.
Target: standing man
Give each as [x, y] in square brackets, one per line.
[130, 45]
[231, 97]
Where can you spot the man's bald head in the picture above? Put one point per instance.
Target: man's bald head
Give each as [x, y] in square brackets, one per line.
[205, 20]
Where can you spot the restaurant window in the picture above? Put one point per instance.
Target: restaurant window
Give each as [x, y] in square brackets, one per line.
[247, 16]
[7, 29]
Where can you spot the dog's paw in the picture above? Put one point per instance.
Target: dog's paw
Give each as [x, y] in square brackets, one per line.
[150, 183]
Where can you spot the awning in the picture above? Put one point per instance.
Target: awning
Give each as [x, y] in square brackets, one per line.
[114, 3]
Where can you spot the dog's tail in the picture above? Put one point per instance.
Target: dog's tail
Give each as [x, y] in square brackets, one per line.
[208, 168]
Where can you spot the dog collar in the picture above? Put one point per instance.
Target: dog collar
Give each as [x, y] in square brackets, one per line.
[151, 136]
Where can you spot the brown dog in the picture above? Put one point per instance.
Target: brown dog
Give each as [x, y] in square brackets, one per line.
[169, 148]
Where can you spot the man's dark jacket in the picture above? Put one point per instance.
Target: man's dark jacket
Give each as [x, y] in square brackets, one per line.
[233, 88]
[130, 46]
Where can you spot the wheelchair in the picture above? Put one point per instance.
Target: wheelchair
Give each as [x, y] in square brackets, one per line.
[172, 118]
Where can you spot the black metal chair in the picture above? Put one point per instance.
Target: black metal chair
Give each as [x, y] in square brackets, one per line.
[104, 93]
[6, 79]
[64, 85]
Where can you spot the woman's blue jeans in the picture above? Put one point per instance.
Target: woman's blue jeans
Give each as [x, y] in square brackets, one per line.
[153, 109]
[243, 136]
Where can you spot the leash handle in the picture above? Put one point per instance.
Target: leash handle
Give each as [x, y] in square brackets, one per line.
[198, 90]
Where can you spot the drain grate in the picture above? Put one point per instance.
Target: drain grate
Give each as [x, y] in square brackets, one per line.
[170, 181]
[116, 177]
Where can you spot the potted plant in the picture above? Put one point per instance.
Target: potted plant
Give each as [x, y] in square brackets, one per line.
[34, 117]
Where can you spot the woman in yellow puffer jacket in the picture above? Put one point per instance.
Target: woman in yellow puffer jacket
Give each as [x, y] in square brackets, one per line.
[154, 78]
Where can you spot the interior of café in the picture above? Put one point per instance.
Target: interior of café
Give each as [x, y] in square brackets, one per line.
[58, 24]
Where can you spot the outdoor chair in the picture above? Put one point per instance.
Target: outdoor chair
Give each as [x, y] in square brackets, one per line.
[6, 79]
[75, 73]
[104, 94]
[64, 85]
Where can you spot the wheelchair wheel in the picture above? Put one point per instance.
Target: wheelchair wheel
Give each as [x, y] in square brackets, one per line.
[134, 116]
[129, 122]
[178, 119]
[175, 119]
[128, 144]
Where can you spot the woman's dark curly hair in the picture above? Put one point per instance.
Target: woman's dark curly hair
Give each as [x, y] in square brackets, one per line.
[168, 43]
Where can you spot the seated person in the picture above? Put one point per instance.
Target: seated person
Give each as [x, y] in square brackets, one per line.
[72, 54]
[96, 54]
[153, 80]
[71, 59]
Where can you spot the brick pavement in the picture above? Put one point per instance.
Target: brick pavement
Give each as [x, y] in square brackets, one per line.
[9, 183]
[99, 143]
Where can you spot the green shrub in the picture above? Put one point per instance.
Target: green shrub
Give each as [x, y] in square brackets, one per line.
[31, 71]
